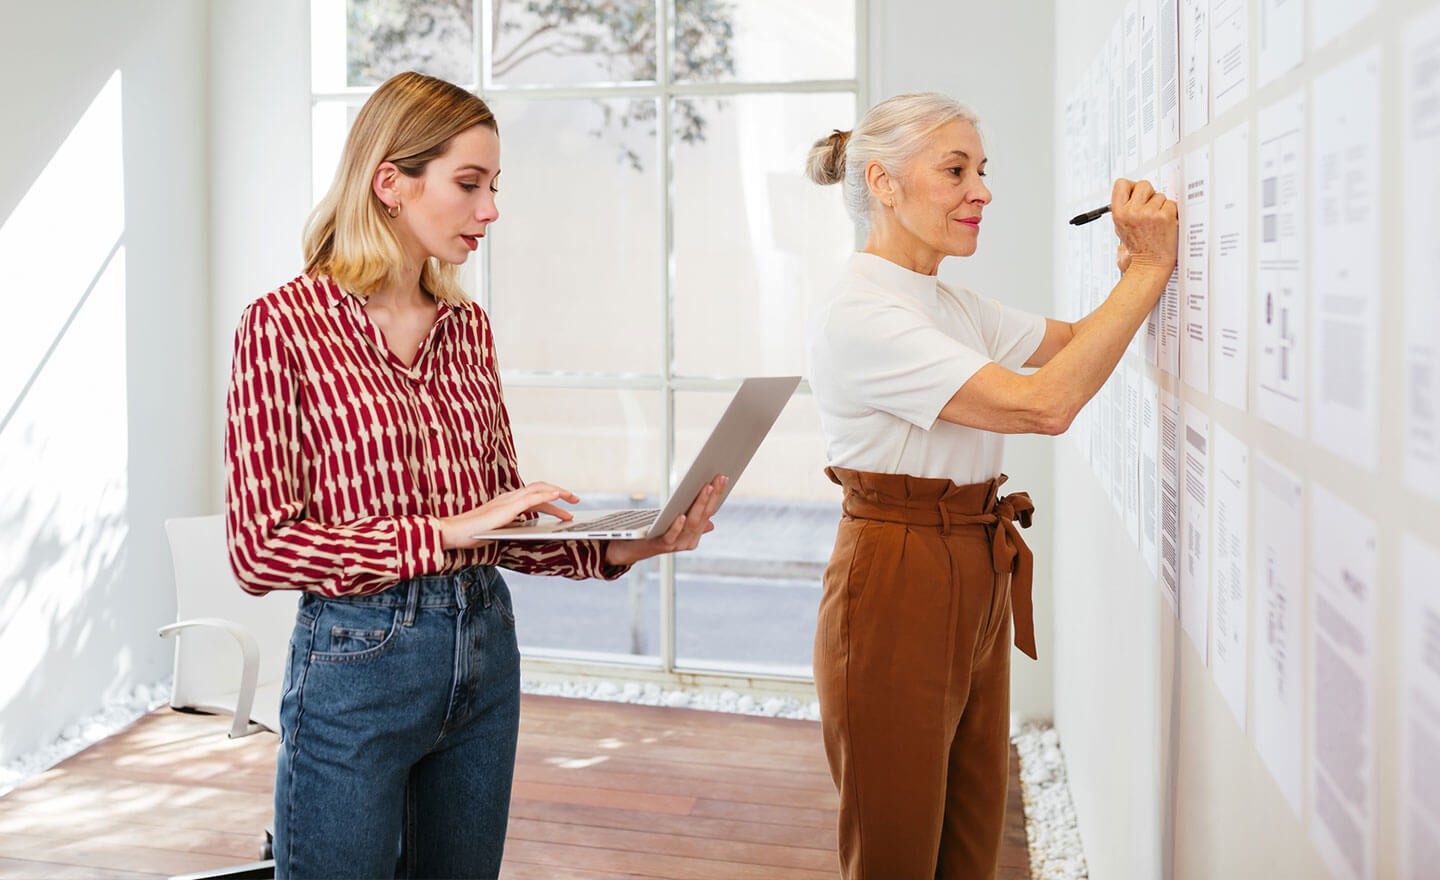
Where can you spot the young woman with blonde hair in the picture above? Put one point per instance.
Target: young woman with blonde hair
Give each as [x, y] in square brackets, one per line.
[917, 383]
[367, 441]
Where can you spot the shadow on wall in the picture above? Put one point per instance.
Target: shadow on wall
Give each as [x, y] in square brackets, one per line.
[64, 475]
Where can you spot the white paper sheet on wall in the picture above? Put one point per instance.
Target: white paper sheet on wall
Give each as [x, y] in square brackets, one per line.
[1282, 37]
[1195, 271]
[1149, 474]
[1343, 571]
[1195, 529]
[1280, 301]
[1130, 106]
[1421, 124]
[1194, 65]
[1231, 599]
[1168, 309]
[1230, 285]
[1345, 256]
[1229, 53]
[1115, 97]
[1132, 453]
[1331, 18]
[1167, 52]
[1149, 82]
[1169, 456]
[1279, 534]
[1420, 712]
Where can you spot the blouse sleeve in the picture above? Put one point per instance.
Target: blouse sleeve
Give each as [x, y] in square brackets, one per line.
[273, 545]
[892, 358]
[1011, 334]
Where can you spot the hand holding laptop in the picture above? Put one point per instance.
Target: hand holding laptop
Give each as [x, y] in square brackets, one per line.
[684, 533]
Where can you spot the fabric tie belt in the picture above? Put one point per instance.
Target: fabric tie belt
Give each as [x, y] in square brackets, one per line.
[938, 503]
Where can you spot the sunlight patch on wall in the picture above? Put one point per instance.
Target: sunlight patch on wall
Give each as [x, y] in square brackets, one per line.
[63, 409]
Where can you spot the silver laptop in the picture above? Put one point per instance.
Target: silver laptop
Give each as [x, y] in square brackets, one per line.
[729, 448]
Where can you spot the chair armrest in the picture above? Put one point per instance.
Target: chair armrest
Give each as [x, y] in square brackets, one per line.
[249, 671]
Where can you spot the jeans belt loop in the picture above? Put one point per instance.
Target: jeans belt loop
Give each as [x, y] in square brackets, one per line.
[944, 518]
[412, 603]
[482, 579]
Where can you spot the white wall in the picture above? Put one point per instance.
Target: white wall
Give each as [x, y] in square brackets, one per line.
[995, 58]
[259, 115]
[103, 368]
[1165, 782]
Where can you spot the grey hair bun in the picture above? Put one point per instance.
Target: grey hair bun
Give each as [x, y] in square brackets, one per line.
[826, 164]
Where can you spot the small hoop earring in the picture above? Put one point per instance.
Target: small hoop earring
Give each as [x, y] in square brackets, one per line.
[393, 211]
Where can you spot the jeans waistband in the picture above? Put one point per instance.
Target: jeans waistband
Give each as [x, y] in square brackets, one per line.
[458, 589]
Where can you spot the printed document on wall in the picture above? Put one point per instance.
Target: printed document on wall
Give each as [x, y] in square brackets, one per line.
[1228, 643]
[1195, 271]
[1168, 354]
[1149, 473]
[1167, 53]
[1230, 269]
[1229, 53]
[1345, 255]
[1130, 106]
[1279, 535]
[1131, 488]
[1421, 124]
[1149, 81]
[1170, 498]
[1280, 301]
[1115, 98]
[1331, 18]
[1282, 37]
[1195, 529]
[1194, 65]
[1420, 713]
[1343, 571]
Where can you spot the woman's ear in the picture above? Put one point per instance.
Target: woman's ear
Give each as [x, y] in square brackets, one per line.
[881, 184]
[386, 185]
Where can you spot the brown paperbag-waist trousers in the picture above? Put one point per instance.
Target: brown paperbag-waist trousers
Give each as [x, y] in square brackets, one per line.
[912, 666]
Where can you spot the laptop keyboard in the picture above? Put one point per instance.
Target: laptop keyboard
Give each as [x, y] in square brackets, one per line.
[620, 519]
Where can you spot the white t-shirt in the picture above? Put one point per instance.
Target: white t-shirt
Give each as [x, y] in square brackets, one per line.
[886, 355]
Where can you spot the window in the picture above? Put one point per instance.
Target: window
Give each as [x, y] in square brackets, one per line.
[658, 241]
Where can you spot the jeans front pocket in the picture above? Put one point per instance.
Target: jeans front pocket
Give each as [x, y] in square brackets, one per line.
[346, 633]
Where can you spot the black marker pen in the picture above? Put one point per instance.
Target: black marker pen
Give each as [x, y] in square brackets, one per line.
[1082, 219]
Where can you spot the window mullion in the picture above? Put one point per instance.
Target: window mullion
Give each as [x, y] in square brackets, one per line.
[663, 50]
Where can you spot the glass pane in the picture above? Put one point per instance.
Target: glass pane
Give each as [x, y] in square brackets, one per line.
[747, 597]
[330, 125]
[563, 43]
[756, 243]
[386, 37]
[575, 256]
[617, 465]
[764, 40]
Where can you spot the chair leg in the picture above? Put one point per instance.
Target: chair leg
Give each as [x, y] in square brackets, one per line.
[250, 871]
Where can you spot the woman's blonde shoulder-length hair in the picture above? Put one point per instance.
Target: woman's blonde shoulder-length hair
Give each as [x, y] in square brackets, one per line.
[409, 120]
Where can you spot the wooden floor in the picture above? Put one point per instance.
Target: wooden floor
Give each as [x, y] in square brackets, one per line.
[602, 790]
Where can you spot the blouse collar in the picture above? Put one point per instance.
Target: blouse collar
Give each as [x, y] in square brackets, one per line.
[893, 277]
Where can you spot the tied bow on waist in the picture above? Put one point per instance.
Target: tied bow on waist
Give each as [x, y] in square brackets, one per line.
[998, 515]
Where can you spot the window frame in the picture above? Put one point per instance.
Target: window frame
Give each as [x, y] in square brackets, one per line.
[559, 664]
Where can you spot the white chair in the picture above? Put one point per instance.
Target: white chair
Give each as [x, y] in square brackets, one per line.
[231, 651]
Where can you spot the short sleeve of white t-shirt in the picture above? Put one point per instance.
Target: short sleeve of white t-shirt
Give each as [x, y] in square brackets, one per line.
[890, 350]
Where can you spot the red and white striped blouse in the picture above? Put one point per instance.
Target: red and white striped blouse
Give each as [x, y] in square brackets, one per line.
[338, 455]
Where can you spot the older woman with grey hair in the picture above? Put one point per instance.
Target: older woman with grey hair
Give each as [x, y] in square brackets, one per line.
[917, 383]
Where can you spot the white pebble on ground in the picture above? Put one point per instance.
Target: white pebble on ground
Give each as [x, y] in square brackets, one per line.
[1056, 851]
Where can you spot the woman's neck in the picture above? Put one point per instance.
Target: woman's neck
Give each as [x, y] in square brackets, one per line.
[892, 242]
[400, 293]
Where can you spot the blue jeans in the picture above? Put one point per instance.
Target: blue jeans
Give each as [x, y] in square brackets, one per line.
[398, 728]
